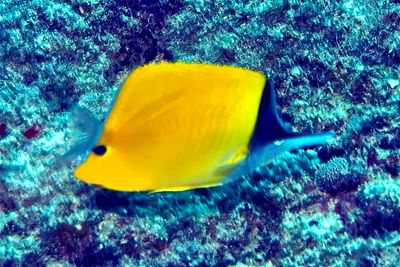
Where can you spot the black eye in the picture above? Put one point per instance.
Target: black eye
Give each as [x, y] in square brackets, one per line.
[99, 150]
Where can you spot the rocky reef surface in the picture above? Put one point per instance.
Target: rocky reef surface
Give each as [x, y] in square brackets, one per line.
[336, 67]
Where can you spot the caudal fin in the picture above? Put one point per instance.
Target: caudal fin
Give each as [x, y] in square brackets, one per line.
[263, 154]
[270, 136]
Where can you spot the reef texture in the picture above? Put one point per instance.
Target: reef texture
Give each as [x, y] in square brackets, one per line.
[336, 67]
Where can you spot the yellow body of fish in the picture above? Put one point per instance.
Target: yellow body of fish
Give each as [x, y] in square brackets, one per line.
[176, 126]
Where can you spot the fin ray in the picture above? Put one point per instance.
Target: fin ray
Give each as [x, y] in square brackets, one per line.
[83, 122]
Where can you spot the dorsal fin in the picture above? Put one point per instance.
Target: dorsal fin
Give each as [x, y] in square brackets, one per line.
[269, 126]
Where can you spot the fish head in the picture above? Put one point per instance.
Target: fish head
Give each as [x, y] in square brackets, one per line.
[96, 168]
[107, 166]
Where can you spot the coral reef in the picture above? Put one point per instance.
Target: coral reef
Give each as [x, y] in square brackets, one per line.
[335, 65]
[337, 176]
[380, 202]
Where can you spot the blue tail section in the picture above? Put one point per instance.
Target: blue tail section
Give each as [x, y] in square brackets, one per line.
[270, 137]
[269, 126]
[263, 154]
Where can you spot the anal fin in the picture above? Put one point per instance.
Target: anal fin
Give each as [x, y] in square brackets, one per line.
[185, 187]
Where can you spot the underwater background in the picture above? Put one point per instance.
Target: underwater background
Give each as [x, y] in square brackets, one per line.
[335, 66]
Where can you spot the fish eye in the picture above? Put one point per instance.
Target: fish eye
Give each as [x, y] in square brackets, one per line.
[99, 150]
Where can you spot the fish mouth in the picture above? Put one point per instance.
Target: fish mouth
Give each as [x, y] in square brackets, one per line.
[81, 174]
[85, 176]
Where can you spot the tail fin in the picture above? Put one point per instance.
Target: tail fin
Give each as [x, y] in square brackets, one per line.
[270, 137]
[265, 153]
[269, 126]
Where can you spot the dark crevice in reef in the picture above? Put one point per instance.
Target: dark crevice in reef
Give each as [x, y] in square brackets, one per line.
[139, 44]
[78, 246]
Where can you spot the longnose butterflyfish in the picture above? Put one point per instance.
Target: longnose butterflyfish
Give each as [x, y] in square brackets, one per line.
[180, 126]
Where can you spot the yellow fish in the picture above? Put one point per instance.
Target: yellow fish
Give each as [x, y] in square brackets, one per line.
[179, 126]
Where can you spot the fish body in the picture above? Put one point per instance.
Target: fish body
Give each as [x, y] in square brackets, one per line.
[179, 126]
